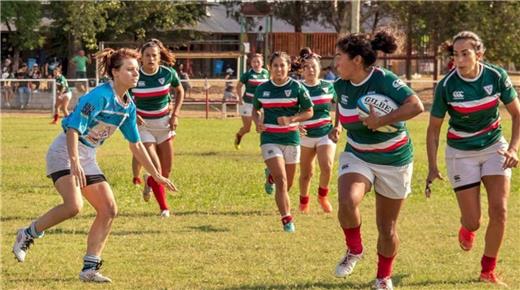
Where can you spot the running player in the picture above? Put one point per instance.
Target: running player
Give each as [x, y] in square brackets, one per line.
[316, 141]
[285, 102]
[63, 95]
[157, 122]
[251, 79]
[372, 159]
[72, 165]
[476, 151]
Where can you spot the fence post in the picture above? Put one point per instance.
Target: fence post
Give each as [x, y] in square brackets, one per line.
[206, 88]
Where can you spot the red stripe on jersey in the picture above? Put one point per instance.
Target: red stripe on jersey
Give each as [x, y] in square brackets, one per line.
[467, 110]
[152, 94]
[279, 105]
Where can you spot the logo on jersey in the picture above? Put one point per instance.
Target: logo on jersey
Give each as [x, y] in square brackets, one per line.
[326, 90]
[507, 83]
[344, 99]
[161, 81]
[488, 89]
[398, 84]
[254, 76]
[87, 109]
[287, 92]
[457, 178]
[458, 95]
[267, 94]
[141, 84]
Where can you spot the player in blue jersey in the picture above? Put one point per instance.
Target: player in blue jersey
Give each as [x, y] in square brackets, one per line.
[72, 165]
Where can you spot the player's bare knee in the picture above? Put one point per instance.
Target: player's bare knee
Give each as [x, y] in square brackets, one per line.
[73, 207]
[387, 230]
[471, 224]
[108, 212]
[497, 214]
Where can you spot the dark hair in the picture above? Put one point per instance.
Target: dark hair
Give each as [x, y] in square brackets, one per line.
[166, 55]
[478, 45]
[280, 54]
[307, 54]
[110, 59]
[362, 45]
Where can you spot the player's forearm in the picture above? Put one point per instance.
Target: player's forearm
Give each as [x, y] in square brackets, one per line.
[72, 145]
[302, 116]
[432, 147]
[405, 112]
[139, 151]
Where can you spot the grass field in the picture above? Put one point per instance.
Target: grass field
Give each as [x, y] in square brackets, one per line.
[225, 232]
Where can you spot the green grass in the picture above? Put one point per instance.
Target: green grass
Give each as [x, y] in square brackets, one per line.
[225, 232]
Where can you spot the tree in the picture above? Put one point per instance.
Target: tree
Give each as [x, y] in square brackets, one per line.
[296, 13]
[25, 17]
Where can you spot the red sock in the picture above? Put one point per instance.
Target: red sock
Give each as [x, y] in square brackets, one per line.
[286, 219]
[55, 118]
[304, 199]
[384, 266]
[488, 264]
[353, 240]
[159, 192]
[323, 191]
[466, 234]
[270, 179]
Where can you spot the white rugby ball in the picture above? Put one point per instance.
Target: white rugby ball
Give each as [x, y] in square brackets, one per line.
[382, 105]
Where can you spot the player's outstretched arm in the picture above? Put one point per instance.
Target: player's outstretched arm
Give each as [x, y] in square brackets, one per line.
[142, 156]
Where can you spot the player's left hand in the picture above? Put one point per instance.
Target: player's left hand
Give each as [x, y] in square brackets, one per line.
[373, 120]
[511, 158]
[174, 121]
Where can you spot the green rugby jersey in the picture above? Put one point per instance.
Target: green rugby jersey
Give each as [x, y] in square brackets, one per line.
[375, 147]
[152, 93]
[61, 81]
[277, 101]
[473, 106]
[251, 80]
[322, 96]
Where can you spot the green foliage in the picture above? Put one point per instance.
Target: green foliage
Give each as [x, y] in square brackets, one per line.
[26, 17]
[225, 232]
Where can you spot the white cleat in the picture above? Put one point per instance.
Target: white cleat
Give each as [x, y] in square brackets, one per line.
[165, 213]
[346, 266]
[147, 190]
[384, 284]
[21, 245]
[93, 275]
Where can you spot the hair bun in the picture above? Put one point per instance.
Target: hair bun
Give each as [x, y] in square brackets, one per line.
[384, 41]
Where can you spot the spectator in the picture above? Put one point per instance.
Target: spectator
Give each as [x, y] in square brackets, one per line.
[24, 89]
[260, 40]
[185, 80]
[7, 89]
[329, 74]
[79, 62]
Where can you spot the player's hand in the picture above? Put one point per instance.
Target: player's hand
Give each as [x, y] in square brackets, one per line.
[79, 175]
[283, 120]
[174, 121]
[334, 134]
[240, 101]
[166, 182]
[303, 131]
[511, 158]
[373, 120]
[432, 175]
[260, 127]
[140, 120]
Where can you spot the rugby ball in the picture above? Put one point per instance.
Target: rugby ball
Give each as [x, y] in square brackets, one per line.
[382, 106]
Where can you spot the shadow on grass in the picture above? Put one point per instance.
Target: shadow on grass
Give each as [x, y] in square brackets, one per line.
[153, 214]
[342, 284]
[114, 233]
[43, 280]
[209, 229]
[309, 285]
